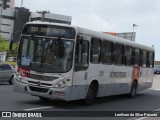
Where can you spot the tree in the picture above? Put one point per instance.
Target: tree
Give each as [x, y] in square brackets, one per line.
[3, 44]
[14, 49]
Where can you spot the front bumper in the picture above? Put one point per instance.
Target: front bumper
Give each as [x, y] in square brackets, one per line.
[47, 92]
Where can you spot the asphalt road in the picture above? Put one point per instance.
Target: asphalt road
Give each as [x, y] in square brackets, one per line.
[147, 100]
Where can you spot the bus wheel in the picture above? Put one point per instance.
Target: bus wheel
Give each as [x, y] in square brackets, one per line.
[133, 90]
[90, 95]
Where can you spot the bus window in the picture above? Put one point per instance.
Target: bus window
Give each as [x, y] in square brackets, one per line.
[85, 51]
[151, 59]
[118, 54]
[95, 51]
[82, 55]
[136, 57]
[128, 50]
[107, 52]
[144, 58]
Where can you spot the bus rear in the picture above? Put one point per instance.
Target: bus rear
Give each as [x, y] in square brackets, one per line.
[45, 61]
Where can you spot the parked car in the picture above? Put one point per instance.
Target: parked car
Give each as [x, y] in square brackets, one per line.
[6, 73]
[157, 69]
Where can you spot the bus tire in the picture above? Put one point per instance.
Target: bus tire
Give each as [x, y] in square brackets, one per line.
[91, 94]
[133, 90]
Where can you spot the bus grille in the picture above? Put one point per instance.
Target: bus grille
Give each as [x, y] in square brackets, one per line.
[41, 90]
[41, 77]
[35, 83]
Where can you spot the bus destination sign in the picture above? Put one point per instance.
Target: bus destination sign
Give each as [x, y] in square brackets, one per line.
[49, 30]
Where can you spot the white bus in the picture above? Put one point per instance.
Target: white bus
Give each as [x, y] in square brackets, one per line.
[65, 62]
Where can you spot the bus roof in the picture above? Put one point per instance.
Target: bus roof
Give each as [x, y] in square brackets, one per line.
[98, 35]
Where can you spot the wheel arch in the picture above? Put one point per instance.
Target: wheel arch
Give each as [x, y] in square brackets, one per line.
[96, 84]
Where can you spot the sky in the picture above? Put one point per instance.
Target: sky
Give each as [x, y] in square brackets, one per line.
[108, 16]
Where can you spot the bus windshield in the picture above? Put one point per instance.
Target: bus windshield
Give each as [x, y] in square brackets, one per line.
[48, 55]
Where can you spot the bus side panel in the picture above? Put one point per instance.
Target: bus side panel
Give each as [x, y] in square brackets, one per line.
[121, 79]
[79, 87]
[101, 73]
[150, 77]
[142, 82]
[146, 79]
[78, 92]
[107, 76]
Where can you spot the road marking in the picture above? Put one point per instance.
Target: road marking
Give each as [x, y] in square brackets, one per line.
[39, 108]
[154, 89]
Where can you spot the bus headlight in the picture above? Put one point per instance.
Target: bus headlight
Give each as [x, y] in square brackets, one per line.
[62, 83]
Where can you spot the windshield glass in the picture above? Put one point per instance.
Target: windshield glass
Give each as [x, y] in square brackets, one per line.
[49, 55]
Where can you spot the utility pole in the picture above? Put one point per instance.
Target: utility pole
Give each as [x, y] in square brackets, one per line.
[134, 25]
[43, 14]
[21, 3]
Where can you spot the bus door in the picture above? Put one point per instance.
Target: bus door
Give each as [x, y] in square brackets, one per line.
[80, 67]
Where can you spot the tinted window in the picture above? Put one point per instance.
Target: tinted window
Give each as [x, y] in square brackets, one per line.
[95, 51]
[82, 55]
[151, 59]
[144, 58]
[136, 57]
[107, 52]
[85, 51]
[6, 67]
[118, 54]
[128, 55]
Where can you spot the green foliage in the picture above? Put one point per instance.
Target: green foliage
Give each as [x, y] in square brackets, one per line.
[15, 46]
[3, 44]
[4, 47]
[14, 49]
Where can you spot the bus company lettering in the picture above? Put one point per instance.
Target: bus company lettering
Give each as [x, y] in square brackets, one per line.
[117, 74]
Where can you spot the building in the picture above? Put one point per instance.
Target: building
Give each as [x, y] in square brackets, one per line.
[12, 19]
[7, 4]
[6, 18]
[21, 17]
[50, 17]
[126, 35]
